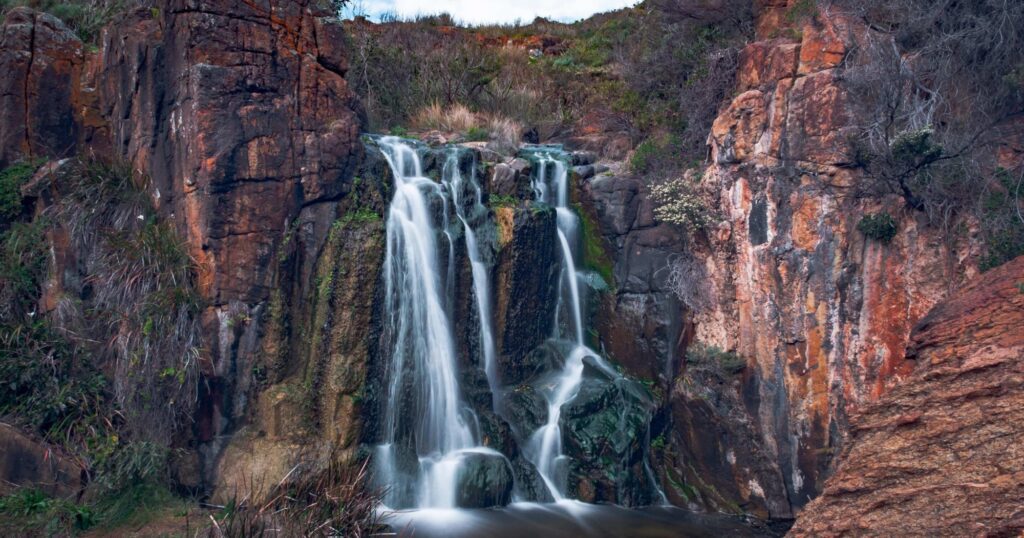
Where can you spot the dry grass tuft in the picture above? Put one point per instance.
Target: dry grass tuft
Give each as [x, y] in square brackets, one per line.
[454, 119]
[333, 502]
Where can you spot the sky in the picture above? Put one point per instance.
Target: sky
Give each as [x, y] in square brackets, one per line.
[491, 11]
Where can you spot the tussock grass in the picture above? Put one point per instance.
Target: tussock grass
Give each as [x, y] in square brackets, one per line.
[332, 502]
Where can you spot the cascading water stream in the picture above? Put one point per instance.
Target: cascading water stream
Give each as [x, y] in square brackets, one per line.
[431, 454]
[453, 180]
[435, 424]
[544, 448]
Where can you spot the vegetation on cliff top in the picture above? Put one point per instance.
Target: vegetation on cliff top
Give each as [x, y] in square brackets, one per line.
[84, 17]
[653, 72]
[932, 130]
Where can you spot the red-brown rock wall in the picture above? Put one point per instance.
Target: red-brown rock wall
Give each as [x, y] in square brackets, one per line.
[822, 313]
[942, 453]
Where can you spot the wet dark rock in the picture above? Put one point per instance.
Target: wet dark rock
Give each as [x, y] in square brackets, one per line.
[605, 434]
[525, 408]
[526, 286]
[583, 172]
[485, 481]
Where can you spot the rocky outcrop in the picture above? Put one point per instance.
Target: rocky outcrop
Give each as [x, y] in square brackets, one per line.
[240, 116]
[25, 462]
[821, 313]
[941, 454]
[41, 60]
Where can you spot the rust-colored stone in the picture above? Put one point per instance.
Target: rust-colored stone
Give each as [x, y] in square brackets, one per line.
[41, 60]
[942, 454]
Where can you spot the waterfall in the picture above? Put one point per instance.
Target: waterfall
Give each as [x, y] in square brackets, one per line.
[426, 412]
[453, 180]
[430, 453]
[544, 448]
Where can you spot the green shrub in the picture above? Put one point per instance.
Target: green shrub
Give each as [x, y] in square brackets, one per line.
[23, 263]
[916, 148]
[659, 154]
[11, 180]
[476, 134]
[800, 10]
[84, 17]
[1002, 223]
[31, 510]
[49, 389]
[502, 200]
[878, 226]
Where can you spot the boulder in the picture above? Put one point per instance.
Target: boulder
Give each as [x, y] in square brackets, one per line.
[485, 481]
[27, 463]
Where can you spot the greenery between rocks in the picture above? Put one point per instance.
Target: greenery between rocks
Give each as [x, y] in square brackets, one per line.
[85, 17]
[12, 179]
[878, 226]
[715, 358]
[110, 372]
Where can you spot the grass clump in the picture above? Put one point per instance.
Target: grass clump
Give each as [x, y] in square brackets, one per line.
[332, 502]
[110, 372]
[30, 510]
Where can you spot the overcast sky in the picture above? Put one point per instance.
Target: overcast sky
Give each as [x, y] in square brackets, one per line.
[492, 11]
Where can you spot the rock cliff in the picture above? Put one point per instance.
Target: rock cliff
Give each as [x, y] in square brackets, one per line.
[239, 116]
[820, 313]
[941, 453]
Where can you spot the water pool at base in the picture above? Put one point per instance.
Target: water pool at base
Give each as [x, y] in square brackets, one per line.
[570, 519]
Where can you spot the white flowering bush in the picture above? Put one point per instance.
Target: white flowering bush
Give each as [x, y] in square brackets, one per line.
[677, 203]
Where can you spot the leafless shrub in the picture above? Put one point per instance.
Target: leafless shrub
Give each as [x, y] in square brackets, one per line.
[719, 12]
[936, 86]
[688, 279]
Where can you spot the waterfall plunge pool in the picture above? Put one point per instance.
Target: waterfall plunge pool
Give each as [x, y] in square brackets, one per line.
[573, 519]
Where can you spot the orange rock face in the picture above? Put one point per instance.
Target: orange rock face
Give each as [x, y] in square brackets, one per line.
[822, 313]
[241, 116]
[941, 454]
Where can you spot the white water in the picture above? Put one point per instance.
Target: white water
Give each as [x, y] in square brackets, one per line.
[428, 427]
[544, 448]
[423, 365]
[452, 179]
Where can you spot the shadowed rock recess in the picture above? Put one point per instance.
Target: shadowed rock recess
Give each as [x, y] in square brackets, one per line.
[778, 364]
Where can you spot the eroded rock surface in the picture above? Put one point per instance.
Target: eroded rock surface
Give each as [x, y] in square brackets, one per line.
[942, 454]
[41, 60]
